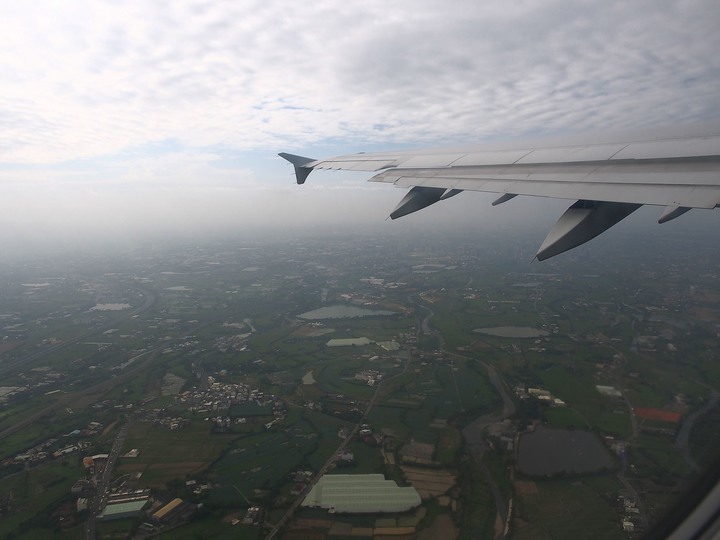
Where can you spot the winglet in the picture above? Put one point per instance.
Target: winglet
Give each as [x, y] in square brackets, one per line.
[299, 162]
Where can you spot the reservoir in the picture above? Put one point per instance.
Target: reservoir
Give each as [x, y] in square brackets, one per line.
[340, 311]
[512, 331]
[551, 451]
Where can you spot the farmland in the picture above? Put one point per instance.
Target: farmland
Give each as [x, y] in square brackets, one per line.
[227, 399]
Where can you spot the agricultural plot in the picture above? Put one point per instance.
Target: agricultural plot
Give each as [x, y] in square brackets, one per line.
[30, 492]
[325, 439]
[565, 417]
[338, 377]
[259, 465]
[656, 454]
[561, 510]
[429, 482]
[166, 454]
[390, 419]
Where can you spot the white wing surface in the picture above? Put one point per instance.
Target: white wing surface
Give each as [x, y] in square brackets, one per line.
[608, 180]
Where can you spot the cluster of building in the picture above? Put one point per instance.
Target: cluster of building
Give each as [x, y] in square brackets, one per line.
[14, 327]
[187, 346]
[631, 520]
[370, 376]
[126, 502]
[236, 342]
[253, 516]
[36, 454]
[219, 395]
[196, 488]
[54, 448]
[300, 479]
[503, 433]
[37, 378]
[160, 514]
[171, 422]
[539, 394]
[618, 447]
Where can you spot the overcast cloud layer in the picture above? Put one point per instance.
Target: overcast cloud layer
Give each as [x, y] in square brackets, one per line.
[142, 113]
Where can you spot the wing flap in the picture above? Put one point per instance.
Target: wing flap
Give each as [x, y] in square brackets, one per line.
[665, 185]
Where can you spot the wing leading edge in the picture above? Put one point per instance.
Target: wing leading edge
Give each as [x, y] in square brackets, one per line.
[608, 181]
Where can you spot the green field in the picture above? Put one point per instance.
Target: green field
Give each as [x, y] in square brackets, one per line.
[565, 510]
[35, 494]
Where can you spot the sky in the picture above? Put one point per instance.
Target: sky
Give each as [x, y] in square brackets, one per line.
[128, 118]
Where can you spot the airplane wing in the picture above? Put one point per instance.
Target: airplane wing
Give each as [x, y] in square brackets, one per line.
[608, 180]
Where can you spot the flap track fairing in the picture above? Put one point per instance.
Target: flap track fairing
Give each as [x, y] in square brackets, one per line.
[450, 193]
[504, 198]
[583, 221]
[671, 212]
[416, 199]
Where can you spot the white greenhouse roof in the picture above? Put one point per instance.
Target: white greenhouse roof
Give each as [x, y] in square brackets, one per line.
[361, 493]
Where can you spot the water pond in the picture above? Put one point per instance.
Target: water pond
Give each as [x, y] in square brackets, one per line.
[551, 451]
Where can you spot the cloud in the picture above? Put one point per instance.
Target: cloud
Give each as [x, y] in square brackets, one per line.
[84, 79]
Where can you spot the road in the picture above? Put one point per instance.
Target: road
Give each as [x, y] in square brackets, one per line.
[624, 464]
[96, 504]
[326, 466]
[331, 460]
